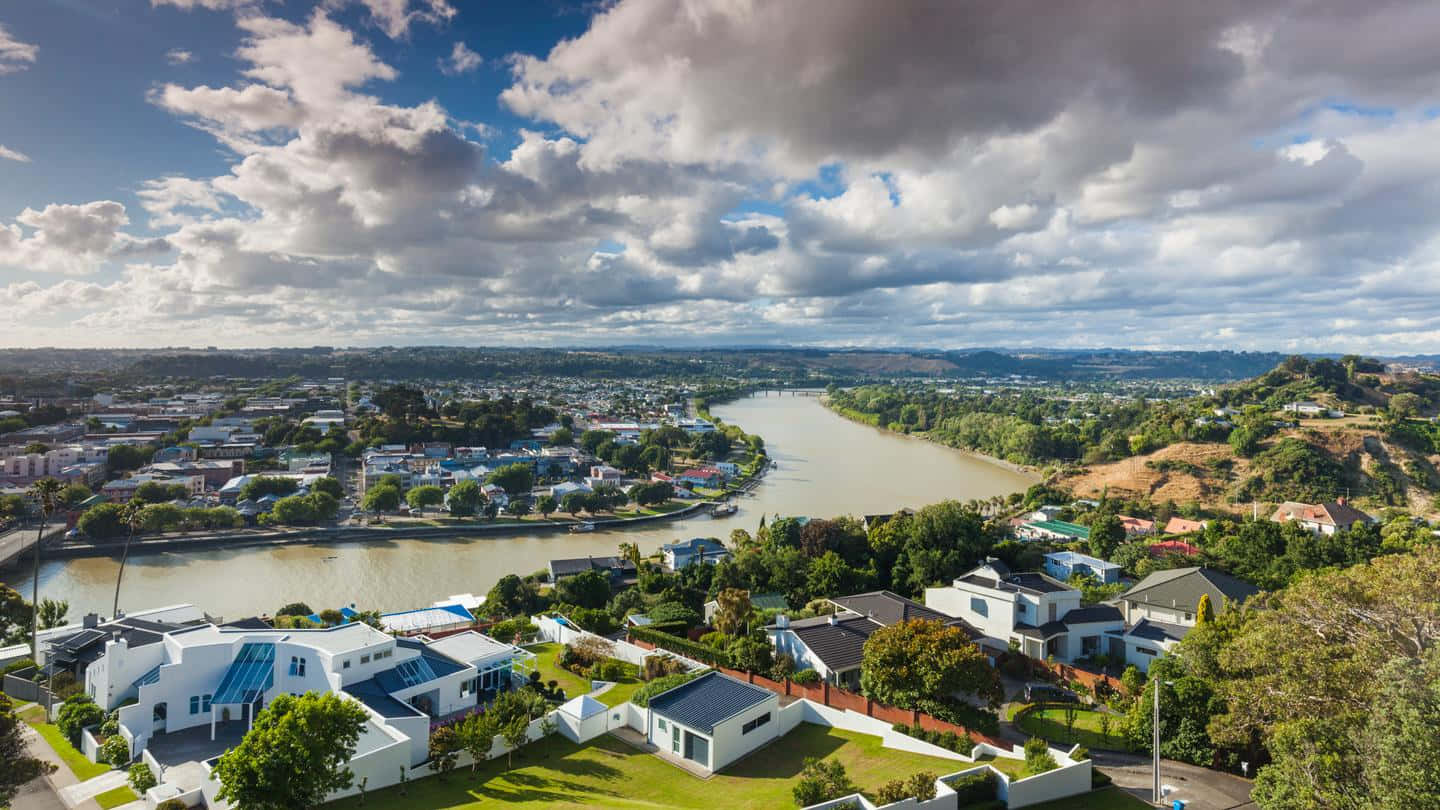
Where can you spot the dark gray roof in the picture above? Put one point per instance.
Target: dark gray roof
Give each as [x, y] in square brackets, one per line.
[889, 608]
[372, 694]
[251, 623]
[1032, 581]
[841, 645]
[1157, 631]
[1094, 613]
[709, 699]
[578, 565]
[1181, 588]
[1046, 630]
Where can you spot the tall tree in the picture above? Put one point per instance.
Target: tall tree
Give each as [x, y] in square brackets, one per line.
[44, 492]
[1205, 611]
[130, 516]
[52, 612]
[732, 610]
[294, 755]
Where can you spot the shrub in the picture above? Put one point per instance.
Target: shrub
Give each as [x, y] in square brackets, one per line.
[658, 666]
[922, 786]
[115, 751]
[141, 779]
[16, 666]
[1081, 753]
[642, 695]
[77, 713]
[963, 714]
[716, 640]
[975, 787]
[821, 781]
[610, 669]
[806, 676]
[507, 630]
[111, 726]
[171, 804]
[1038, 758]
[685, 647]
[891, 792]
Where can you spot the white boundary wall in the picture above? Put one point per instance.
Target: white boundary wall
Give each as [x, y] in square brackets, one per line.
[553, 631]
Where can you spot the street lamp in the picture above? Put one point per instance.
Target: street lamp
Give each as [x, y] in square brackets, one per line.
[1155, 743]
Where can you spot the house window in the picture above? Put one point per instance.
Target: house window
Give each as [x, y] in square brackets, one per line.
[1020, 608]
[1145, 651]
[756, 723]
[345, 664]
[1189, 618]
[205, 703]
[662, 725]
[364, 659]
[979, 606]
[294, 665]
[194, 704]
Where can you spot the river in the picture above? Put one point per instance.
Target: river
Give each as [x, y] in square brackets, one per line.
[827, 466]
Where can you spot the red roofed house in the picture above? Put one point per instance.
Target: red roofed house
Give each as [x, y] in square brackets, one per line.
[1136, 527]
[1165, 547]
[1179, 525]
[1321, 518]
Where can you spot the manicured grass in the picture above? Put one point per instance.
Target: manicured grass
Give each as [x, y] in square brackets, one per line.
[32, 713]
[573, 685]
[1012, 768]
[1108, 798]
[620, 692]
[115, 798]
[1050, 724]
[608, 773]
[78, 764]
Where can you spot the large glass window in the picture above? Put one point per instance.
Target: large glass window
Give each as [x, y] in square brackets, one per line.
[979, 606]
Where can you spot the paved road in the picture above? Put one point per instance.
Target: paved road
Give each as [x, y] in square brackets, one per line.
[1200, 788]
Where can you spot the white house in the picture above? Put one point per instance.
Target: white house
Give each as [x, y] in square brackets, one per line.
[713, 720]
[1034, 611]
[697, 549]
[1161, 609]
[1065, 564]
[1321, 518]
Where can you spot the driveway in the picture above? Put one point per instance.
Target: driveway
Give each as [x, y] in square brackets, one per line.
[1200, 788]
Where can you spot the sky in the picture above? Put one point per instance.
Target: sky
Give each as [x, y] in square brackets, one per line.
[1242, 174]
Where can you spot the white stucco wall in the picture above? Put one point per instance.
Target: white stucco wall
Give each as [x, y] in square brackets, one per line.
[728, 743]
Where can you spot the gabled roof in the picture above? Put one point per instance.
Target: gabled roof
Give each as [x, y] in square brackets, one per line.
[841, 645]
[1182, 587]
[708, 700]
[694, 545]
[886, 608]
[579, 565]
[1092, 614]
[1338, 514]
[1157, 631]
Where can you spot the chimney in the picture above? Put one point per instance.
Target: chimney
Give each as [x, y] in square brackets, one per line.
[1340, 500]
[833, 618]
[90, 620]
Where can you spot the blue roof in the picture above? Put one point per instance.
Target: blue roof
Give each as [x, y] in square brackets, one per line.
[427, 667]
[458, 610]
[1071, 557]
[250, 674]
[709, 699]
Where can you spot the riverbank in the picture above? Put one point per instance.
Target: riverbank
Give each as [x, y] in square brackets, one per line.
[870, 420]
[339, 535]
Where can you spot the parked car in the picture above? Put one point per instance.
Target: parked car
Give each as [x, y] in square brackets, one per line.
[1048, 693]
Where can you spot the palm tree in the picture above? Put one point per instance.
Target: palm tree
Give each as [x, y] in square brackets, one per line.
[44, 492]
[631, 552]
[130, 516]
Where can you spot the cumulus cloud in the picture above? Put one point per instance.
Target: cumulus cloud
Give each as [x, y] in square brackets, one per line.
[822, 171]
[15, 55]
[462, 60]
[177, 56]
[11, 154]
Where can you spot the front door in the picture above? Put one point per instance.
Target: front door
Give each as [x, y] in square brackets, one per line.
[674, 738]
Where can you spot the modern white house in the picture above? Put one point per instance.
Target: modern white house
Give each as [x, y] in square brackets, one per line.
[1065, 564]
[1036, 612]
[192, 695]
[713, 720]
[1161, 609]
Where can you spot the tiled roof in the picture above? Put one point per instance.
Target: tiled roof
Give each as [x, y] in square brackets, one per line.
[708, 700]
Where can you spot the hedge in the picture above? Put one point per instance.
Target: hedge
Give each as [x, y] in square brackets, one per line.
[665, 683]
[683, 646]
[973, 788]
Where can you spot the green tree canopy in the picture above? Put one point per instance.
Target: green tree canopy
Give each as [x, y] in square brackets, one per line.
[915, 661]
[294, 755]
[515, 479]
[464, 497]
[425, 496]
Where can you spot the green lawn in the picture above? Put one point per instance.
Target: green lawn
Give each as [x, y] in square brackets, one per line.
[1050, 724]
[115, 798]
[573, 684]
[609, 773]
[620, 692]
[79, 765]
[1109, 798]
[1010, 767]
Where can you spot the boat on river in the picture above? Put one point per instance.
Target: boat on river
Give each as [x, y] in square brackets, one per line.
[724, 510]
[582, 527]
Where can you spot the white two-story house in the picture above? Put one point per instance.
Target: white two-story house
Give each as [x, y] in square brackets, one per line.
[1035, 612]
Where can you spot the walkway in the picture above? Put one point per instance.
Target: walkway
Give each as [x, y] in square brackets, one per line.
[44, 793]
[90, 788]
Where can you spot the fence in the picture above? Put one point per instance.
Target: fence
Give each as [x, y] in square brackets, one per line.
[1068, 673]
[633, 651]
[19, 686]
